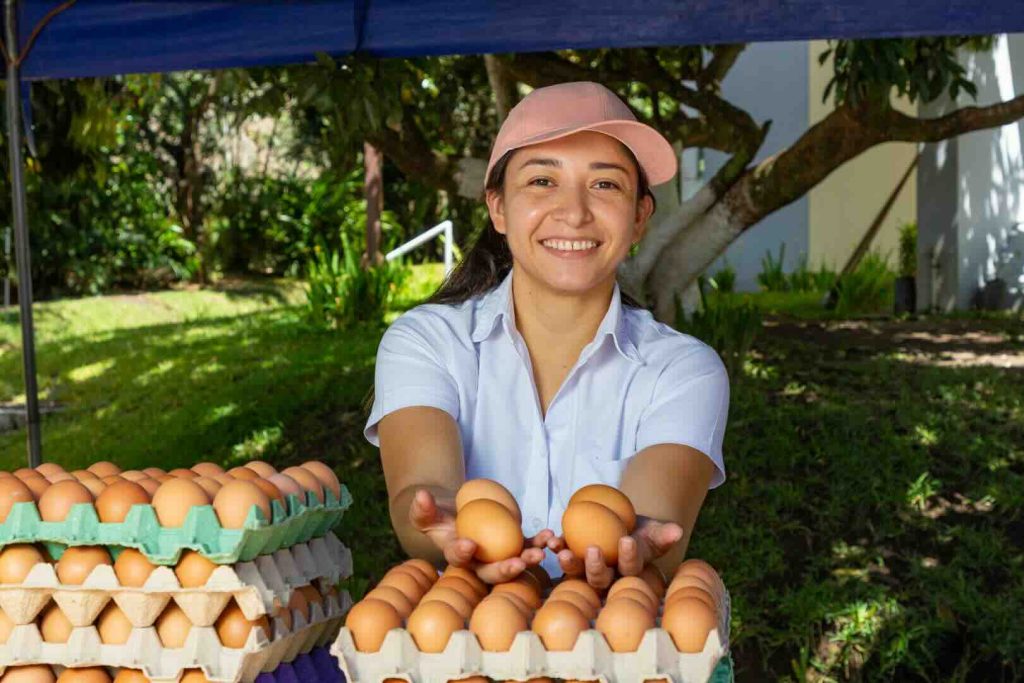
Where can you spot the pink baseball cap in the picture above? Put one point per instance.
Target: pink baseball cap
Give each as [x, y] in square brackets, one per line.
[559, 110]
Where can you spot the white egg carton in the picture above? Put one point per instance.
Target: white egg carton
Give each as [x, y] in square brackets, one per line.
[590, 660]
[255, 585]
[202, 648]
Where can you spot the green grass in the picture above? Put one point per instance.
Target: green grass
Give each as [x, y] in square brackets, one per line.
[870, 528]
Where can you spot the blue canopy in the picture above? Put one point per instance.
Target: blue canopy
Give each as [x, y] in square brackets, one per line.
[103, 37]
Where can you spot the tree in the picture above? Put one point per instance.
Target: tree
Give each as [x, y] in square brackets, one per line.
[678, 90]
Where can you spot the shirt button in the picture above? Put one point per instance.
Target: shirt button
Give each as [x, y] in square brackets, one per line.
[536, 522]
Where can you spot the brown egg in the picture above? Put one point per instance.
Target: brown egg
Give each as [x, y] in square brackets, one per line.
[31, 673]
[369, 621]
[542, 577]
[685, 580]
[173, 500]
[23, 472]
[38, 486]
[133, 475]
[687, 592]
[193, 570]
[84, 674]
[700, 568]
[49, 469]
[208, 484]
[307, 480]
[77, 563]
[56, 501]
[233, 628]
[393, 597]
[287, 486]
[81, 475]
[586, 523]
[405, 582]
[13, 490]
[492, 527]
[172, 626]
[6, 626]
[655, 579]
[234, 500]
[207, 469]
[271, 491]
[573, 598]
[312, 595]
[283, 613]
[112, 479]
[623, 623]
[182, 473]
[559, 624]
[610, 497]
[60, 476]
[193, 676]
[242, 473]
[132, 568]
[450, 596]
[95, 486]
[475, 489]
[467, 575]
[417, 576]
[17, 560]
[125, 675]
[460, 585]
[54, 626]
[688, 622]
[113, 626]
[525, 591]
[297, 602]
[515, 600]
[634, 583]
[150, 485]
[163, 478]
[428, 570]
[115, 502]
[153, 472]
[432, 623]
[263, 469]
[496, 623]
[639, 597]
[104, 468]
[580, 587]
[325, 475]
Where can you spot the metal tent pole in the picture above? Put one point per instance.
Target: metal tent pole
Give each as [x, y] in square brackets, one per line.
[21, 245]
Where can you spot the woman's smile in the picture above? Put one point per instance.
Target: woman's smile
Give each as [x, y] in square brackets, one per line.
[571, 249]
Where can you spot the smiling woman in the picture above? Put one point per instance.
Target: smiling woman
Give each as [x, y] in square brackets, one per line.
[530, 367]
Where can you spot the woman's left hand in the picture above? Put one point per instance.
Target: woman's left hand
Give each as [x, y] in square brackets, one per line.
[650, 539]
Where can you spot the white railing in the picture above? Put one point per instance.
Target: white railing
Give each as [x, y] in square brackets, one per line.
[446, 228]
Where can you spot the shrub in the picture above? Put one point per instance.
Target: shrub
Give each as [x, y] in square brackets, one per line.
[724, 322]
[868, 289]
[725, 279]
[340, 293]
[908, 249]
[772, 278]
[803, 279]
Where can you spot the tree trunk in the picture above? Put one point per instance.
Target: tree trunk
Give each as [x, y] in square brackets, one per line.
[373, 188]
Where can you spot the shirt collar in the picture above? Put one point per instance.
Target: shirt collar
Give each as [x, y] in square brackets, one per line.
[497, 304]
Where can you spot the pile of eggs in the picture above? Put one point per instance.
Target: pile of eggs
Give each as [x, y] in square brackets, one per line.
[432, 608]
[172, 494]
[43, 673]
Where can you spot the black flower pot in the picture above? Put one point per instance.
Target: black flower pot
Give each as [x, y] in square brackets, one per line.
[906, 295]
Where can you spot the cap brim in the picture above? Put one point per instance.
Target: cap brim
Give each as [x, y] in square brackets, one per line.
[651, 149]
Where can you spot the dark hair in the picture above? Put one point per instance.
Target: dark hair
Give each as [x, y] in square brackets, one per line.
[488, 261]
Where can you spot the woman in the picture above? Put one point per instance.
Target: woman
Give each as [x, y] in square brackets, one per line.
[531, 368]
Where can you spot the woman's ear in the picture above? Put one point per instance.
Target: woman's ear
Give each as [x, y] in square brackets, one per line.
[644, 210]
[496, 208]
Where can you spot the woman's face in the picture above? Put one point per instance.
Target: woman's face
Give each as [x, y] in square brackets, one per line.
[569, 211]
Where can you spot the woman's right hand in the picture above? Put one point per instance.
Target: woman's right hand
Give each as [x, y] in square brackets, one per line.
[435, 517]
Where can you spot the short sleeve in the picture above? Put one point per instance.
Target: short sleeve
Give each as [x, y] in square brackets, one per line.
[690, 406]
[410, 371]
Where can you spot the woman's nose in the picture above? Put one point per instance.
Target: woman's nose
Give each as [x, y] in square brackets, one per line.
[574, 208]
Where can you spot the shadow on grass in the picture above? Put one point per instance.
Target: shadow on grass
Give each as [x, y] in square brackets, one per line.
[871, 527]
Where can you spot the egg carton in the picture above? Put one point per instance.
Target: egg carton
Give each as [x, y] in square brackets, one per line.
[297, 522]
[254, 585]
[590, 660]
[316, 667]
[202, 648]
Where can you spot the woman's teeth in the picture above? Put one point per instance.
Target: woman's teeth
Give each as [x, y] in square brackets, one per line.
[566, 245]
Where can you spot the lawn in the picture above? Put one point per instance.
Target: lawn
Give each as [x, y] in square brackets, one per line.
[871, 527]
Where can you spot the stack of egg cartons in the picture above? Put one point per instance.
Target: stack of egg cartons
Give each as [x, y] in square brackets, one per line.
[189, 575]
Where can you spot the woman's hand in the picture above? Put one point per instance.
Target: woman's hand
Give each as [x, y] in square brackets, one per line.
[650, 540]
[436, 519]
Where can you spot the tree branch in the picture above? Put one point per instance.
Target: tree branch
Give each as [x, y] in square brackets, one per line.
[722, 59]
[904, 128]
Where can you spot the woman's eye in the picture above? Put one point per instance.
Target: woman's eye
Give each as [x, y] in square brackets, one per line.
[546, 182]
[607, 185]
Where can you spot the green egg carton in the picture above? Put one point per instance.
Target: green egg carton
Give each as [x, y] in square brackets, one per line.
[301, 521]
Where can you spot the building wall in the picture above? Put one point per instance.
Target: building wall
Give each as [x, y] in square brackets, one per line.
[844, 205]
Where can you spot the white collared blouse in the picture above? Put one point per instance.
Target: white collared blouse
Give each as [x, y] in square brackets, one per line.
[638, 383]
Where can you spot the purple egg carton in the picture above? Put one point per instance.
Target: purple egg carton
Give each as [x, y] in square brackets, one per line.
[316, 666]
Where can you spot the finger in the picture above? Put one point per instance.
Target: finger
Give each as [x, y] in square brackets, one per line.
[632, 556]
[571, 564]
[500, 572]
[532, 556]
[599, 575]
[423, 510]
[661, 537]
[541, 539]
[556, 544]
[459, 553]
